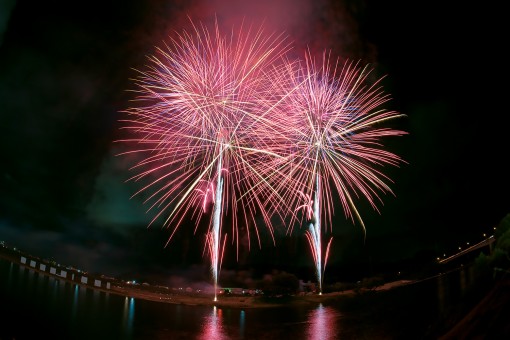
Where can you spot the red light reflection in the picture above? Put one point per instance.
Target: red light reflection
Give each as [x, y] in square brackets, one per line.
[323, 323]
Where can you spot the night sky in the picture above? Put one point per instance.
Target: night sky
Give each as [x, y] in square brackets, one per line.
[64, 75]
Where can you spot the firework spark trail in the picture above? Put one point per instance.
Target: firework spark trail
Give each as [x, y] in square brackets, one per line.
[330, 136]
[199, 103]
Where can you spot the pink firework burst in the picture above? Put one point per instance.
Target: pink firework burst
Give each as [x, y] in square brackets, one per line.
[330, 130]
[197, 128]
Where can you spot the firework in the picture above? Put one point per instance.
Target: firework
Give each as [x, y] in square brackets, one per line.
[330, 132]
[198, 126]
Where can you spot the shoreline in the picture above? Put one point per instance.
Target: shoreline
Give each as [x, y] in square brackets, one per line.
[248, 301]
[233, 301]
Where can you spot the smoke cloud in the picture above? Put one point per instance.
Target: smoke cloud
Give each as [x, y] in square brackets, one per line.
[321, 25]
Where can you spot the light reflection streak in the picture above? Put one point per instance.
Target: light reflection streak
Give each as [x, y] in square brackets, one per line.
[75, 300]
[212, 327]
[323, 323]
[128, 315]
[242, 319]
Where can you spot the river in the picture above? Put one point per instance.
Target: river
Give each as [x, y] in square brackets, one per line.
[34, 304]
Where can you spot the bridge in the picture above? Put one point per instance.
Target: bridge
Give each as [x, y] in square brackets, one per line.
[487, 242]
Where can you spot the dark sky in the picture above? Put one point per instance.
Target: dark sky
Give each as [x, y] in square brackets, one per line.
[65, 69]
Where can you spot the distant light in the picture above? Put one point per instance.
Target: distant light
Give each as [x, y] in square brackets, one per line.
[484, 235]
[460, 248]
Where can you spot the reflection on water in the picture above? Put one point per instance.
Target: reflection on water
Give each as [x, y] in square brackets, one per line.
[54, 301]
[76, 312]
[242, 318]
[218, 324]
[441, 293]
[323, 323]
[452, 287]
[212, 328]
[128, 315]
[9, 275]
[465, 280]
[75, 301]
[30, 283]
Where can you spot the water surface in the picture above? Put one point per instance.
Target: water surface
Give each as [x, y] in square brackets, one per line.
[33, 303]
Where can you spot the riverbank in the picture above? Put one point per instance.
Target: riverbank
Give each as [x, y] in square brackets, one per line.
[245, 301]
[166, 295]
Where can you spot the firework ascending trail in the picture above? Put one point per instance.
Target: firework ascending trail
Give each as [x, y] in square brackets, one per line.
[330, 133]
[198, 128]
